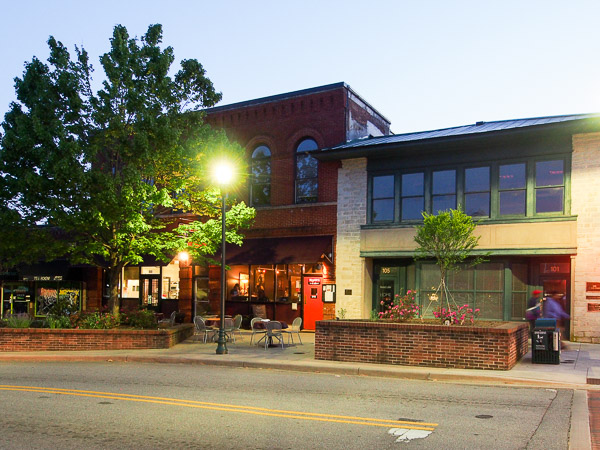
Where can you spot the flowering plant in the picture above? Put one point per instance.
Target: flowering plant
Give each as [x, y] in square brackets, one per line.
[457, 316]
[400, 309]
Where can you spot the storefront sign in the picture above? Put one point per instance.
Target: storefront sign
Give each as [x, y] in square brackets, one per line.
[43, 278]
[593, 307]
[555, 268]
[592, 287]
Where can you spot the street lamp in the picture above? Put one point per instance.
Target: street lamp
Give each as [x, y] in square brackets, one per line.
[223, 174]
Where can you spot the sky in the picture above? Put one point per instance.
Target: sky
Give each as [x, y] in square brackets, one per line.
[423, 64]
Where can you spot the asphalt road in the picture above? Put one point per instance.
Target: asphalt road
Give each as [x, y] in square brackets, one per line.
[127, 405]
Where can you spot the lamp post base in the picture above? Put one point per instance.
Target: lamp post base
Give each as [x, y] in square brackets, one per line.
[222, 343]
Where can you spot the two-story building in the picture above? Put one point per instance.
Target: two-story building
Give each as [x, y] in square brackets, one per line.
[287, 259]
[530, 184]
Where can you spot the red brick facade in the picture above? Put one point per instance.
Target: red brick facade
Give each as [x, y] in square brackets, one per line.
[422, 345]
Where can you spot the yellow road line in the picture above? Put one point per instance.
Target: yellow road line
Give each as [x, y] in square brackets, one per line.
[229, 408]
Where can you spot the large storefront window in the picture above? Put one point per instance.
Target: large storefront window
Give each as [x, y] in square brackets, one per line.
[479, 287]
[63, 295]
[265, 282]
[15, 298]
[519, 291]
[131, 282]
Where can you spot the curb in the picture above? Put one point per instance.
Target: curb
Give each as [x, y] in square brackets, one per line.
[311, 367]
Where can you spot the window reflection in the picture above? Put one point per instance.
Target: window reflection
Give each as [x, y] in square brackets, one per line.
[261, 176]
[306, 172]
[512, 202]
[477, 191]
[547, 197]
[512, 183]
[383, 198]
[444, 191]
[413, 198]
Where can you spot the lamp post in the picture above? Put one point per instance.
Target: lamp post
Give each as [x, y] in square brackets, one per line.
[223, 175]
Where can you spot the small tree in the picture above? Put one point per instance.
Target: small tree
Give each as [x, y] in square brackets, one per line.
[447, 237]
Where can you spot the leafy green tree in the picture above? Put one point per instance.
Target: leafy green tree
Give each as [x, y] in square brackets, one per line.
[105, 168]
[448, 238]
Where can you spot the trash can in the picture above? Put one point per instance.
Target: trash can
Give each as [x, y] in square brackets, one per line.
[545, 342]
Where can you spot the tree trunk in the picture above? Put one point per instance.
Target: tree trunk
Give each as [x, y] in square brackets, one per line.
[114, 275]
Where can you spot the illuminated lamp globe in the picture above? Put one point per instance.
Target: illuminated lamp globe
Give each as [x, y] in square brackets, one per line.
[223, 173]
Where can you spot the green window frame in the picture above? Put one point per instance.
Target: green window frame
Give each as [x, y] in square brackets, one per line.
[479, 287]
[507, 190]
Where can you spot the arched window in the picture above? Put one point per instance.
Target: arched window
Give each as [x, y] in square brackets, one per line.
[306, 172]
[260, 187]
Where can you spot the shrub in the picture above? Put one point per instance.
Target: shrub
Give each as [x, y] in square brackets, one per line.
[458, 316]
[22, 320]
[98, 321]
[58, 321]
[401, 309]
[142, 318]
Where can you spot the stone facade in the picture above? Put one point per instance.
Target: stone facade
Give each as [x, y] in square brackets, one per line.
[585, 185]
[351, 214]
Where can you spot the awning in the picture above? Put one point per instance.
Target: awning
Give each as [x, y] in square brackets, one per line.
[298, 250]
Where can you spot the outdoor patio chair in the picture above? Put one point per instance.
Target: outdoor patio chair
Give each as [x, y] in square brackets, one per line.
[200, 328]
[170, 321]
[229, 328]
[294, 329]
[273, 332]
[257, 331]
[237, 326]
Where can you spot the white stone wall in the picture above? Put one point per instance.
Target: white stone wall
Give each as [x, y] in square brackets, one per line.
[351, 214]
[585, 203]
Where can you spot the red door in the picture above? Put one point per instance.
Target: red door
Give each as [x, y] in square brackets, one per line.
[312, 301]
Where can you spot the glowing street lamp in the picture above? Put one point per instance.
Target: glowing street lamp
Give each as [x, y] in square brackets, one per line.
[223, 175]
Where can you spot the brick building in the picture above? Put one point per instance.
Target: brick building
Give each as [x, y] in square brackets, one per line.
[287, 258]
[530, 184]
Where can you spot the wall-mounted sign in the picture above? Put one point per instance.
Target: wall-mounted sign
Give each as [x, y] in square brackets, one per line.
[593, 307]
[43, 278]
[550, 268]
[592, 286]
[314, 281]
[329, 293]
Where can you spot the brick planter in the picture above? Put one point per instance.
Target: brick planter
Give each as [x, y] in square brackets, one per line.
[415, 344]
[44, 339]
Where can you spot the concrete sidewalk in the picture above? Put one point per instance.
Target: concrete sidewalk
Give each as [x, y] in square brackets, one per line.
[579, 367]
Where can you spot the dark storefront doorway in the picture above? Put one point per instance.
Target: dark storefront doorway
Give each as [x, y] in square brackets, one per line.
[391, 280]
[560, 285]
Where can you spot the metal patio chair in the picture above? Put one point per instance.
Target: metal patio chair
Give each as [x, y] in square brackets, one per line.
[200, 328]
[294, 329]
[257, 331]
[273, 332]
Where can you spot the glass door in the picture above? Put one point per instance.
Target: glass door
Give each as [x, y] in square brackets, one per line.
[390, 280]
[150, 291]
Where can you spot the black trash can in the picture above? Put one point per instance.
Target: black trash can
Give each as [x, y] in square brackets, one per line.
[545, 342]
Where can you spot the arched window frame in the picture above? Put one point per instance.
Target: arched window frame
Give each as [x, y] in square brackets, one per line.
[260, 181]
[307, 171]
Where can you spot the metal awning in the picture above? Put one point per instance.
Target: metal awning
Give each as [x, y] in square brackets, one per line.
[290, 250]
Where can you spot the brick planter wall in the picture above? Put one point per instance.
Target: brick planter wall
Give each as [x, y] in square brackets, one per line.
[44, 339]
[422, 345]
